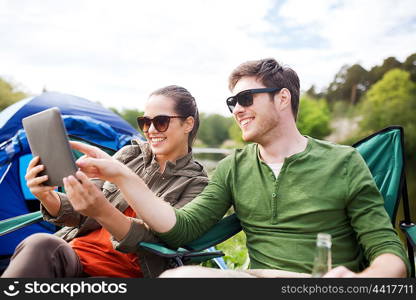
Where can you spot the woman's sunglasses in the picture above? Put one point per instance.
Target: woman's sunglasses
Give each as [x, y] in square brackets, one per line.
[245, 98]
[161, 123]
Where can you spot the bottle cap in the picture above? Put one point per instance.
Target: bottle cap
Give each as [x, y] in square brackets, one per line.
[324, 239]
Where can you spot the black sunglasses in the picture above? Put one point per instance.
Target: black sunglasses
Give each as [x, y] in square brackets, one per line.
[161, 122]
[245, 98]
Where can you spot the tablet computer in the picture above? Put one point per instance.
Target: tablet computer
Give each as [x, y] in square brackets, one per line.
[48, 139]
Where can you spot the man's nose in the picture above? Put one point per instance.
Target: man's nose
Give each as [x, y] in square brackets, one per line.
[238, 109]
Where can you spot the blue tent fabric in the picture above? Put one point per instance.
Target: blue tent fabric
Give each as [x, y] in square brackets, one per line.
[11, 117]
[12, 204]
[82, 118]
[80, 126]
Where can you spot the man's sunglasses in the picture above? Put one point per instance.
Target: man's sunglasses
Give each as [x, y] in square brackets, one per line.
[161, 122]
[245, 98]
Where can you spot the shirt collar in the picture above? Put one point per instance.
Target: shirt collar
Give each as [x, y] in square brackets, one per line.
[150, 159]
[292, 157]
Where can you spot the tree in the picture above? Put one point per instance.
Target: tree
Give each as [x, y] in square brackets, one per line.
[410, 66]
[314, 117]
[334, 90]
[9, 94]
[352, 82]
[391, 101]
[128, 114]
[377, 72]
[311, 92]
[349, 84]
[213, 129]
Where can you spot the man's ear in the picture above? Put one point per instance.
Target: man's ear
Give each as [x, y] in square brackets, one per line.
[284, 98]
[189, 124]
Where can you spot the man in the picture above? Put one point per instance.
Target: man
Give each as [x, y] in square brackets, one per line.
[285, 188]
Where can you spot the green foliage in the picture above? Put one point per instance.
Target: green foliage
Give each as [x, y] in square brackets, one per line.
[352, 82]
[377, 72]
[213, 129]
[236, 254]
[341, 109]
[311, 92]
[391, 101]
[198, 144]
[349, 84]
[128, 114]
[410, 66]
[9, 94]
[235, 133]
[314, 117]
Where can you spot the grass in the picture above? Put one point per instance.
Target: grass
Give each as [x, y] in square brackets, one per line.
[236, 255]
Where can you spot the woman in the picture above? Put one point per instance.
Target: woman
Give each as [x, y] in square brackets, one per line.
[101, 230]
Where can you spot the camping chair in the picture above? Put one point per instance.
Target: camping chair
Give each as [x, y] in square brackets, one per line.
[383, 152]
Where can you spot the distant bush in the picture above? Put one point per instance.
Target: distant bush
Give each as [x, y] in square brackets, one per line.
[314, 117]
[129, 114]
[213, 129]
[391, 101]
[9, 94]
[236, 255]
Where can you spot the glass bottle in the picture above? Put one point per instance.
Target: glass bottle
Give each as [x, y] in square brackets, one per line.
[323, 261]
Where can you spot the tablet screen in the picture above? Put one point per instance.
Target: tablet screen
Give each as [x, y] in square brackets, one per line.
[48, 139]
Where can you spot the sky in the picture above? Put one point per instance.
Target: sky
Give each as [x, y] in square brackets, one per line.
[118, 52]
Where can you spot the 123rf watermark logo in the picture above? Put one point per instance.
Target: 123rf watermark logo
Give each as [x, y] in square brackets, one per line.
[71, 288]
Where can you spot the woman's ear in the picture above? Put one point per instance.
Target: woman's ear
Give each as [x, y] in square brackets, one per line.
[189, 124]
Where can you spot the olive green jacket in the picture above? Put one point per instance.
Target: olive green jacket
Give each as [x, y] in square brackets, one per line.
[180, 183]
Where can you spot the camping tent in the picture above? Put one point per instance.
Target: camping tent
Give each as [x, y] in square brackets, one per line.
[83, 119]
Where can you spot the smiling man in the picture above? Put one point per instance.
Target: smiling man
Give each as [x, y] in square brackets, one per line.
[285, 188]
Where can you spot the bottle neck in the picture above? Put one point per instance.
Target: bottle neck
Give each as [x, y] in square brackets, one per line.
[322, 261]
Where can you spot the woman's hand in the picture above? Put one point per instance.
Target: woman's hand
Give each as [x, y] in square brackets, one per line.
[44, 193]
[84, 196]
[88, 200]
[35, 182]
[98, 164]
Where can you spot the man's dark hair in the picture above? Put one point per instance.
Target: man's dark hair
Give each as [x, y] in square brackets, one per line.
[270, 73]
[185, 105]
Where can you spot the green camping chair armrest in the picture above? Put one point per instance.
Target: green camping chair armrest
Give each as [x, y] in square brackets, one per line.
[15, 223]
[223, 230]
[183, 254]
[410, 231]
[161, 250]
[201, 256]
[195, 252]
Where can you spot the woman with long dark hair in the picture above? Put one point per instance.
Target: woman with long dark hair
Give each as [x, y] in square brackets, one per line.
[101, 231]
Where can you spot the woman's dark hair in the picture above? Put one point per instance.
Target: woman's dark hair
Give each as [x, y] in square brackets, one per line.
[185, 106]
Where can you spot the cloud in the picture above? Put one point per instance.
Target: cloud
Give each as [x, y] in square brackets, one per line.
[117, 52]
[345, 32]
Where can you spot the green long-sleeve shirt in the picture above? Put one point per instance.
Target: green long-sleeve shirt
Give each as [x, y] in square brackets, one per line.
[326, 188]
